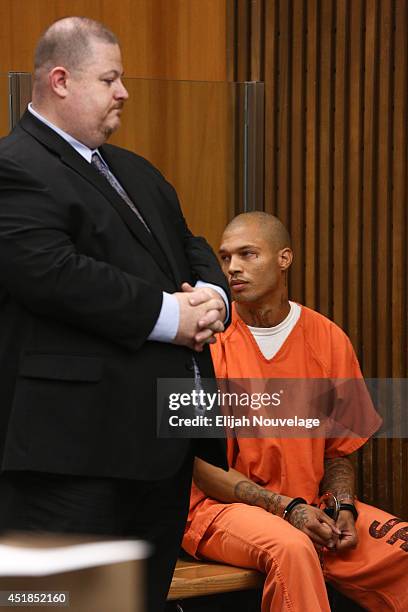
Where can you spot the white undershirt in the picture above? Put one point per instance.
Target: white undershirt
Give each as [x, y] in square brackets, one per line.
[270, 339]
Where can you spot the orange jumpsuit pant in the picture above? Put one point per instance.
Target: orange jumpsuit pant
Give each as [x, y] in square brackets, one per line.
[375, 574]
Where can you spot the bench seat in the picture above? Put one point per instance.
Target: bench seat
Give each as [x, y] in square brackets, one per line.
[194, 578]
[203, 579]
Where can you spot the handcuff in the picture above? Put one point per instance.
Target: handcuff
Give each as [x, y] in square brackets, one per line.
[330, 505]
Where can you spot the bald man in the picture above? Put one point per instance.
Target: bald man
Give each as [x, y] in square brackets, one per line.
[103, 291]
[260, 514]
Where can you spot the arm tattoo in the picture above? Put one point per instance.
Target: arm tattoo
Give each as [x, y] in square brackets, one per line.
[339, 478]
[254, 495]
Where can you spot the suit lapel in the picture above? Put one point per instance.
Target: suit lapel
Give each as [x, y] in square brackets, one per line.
[143, 195]
[74, 160]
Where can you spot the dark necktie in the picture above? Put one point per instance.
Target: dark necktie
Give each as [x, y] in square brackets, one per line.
[104, 170]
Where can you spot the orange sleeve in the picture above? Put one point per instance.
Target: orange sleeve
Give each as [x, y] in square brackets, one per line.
[354, 414]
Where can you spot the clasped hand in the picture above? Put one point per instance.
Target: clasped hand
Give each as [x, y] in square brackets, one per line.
[337, 536]
[202, 312]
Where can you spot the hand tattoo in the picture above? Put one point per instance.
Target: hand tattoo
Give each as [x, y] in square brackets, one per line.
[298, 516]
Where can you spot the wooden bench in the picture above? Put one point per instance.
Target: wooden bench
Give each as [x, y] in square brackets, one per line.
[202, 578]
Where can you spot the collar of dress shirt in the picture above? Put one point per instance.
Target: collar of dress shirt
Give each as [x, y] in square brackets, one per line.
[79, 147]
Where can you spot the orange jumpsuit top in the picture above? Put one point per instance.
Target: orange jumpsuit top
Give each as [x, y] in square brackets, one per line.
[315, 348]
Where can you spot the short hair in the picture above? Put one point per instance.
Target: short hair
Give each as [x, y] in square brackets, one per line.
[66, 42]
[268, 225]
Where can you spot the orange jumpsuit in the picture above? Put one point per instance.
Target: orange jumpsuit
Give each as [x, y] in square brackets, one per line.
[375, 574]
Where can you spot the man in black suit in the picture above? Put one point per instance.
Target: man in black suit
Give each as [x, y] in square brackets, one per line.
[103, 290]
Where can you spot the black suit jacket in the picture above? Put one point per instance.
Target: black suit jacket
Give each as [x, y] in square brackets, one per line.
[81, 286]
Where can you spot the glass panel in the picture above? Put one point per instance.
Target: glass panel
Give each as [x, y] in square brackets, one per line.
[205, 137]
[201, 135]
[188, 130]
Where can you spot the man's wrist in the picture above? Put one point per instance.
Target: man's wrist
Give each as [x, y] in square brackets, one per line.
[166, 326]
[346, 499]
[350, 508]
[296, 501]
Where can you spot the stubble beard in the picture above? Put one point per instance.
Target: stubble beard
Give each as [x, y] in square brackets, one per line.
[107, 132]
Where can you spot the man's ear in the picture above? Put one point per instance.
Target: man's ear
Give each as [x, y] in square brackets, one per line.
[58, 81]
[285, 258]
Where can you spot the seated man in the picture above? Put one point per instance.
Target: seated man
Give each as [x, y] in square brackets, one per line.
[239, 517]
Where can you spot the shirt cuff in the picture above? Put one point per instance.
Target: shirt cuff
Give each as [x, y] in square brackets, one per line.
[219, 290]
[167, 323]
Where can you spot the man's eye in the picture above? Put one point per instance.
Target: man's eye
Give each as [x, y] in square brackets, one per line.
[224, 258]
[108, 81]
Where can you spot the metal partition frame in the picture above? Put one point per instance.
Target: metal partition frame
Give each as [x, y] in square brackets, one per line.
[252, 149]
[20, 84]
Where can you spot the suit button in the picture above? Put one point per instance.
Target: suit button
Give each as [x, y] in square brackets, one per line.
[189, 366]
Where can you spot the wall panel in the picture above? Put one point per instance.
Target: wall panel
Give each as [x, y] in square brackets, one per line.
[160, 39]
[336, 77]
[176, 39]
[190, 136]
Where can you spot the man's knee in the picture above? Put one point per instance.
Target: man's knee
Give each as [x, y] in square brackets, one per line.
[294, 546]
